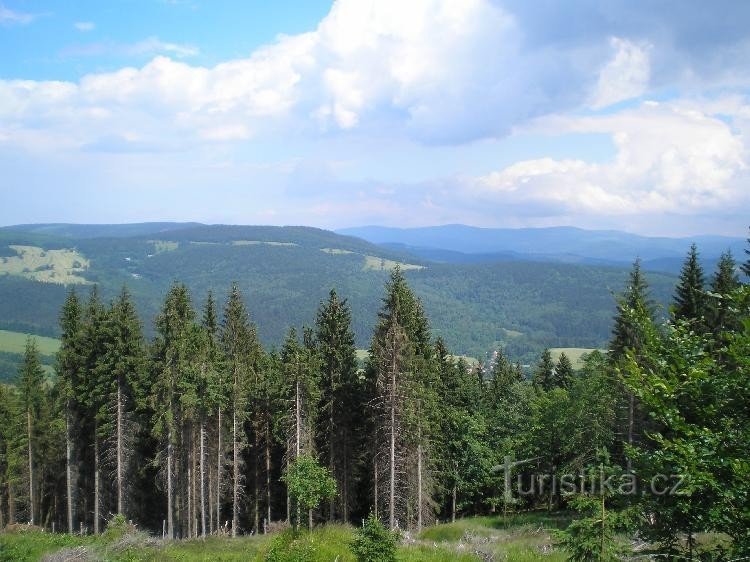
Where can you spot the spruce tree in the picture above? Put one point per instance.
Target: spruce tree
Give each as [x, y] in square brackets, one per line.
[746, 265]
[563, 372]
[32, 401]
[690, 293]
[725, 281]
[626, 335]
[544, 375]
[69, 367]
[241, 355]
[341, 401]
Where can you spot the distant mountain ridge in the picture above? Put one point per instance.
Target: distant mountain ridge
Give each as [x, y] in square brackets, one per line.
[456, 243]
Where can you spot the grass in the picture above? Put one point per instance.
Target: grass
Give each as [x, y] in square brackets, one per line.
[522, 538]
[161, 246]
[374, 263]
[257, 242]
[575, 354]
[48, 266]
[15, 342]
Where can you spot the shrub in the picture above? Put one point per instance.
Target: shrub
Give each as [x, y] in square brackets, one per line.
[374, 543]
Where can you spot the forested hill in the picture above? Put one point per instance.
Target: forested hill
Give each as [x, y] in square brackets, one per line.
[457, 243]
[285, 272]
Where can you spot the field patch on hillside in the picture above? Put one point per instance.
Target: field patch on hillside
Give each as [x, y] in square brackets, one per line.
[15, 342]
[258, 242]
[374, 263]
[161, 246]
[575, 354]
[336, 251]
[48, 266]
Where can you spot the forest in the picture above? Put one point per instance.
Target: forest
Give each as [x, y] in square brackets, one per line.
[203, 430]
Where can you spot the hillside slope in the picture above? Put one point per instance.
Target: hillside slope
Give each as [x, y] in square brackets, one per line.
[285, 272]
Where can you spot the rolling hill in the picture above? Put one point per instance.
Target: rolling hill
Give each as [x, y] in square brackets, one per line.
[457, 243]
[285, 272]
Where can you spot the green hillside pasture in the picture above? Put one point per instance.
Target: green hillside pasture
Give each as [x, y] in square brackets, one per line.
[374, 263]
[15, 342]
[48, 266]
[575, 354]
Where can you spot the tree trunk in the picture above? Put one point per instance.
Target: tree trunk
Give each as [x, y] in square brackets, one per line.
[170, 487]
[68, 468]
[97, 499]
[120, 483]
[392, 452]
[218, 472]
[453, 505]
[256, 484]
[235, 475]
[419, 487]
[11, 504]
[268, 471]
[31, 467]
[203, 478]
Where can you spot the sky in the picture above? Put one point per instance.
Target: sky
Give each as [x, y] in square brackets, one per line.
[621, 114]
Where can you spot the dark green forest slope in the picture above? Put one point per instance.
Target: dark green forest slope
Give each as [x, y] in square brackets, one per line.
[286, 271]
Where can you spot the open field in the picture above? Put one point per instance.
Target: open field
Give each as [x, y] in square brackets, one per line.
[381, 264]
[49, 266]
[521, 538]
[15, 342]
[575, 354]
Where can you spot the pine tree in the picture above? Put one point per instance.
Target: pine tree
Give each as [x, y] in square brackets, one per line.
[725, 281]
[120, 374]
[32, 399]
[13, 456]
[690, 293]
[241, 353]
[341, 401]
[563, 372]
[746, 265]
[173, 356]
[544, 375]
[625, 334]
[69, 367]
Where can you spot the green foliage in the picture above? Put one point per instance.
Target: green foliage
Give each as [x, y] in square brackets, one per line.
[373, 542]
[308, 482]
[690, 293]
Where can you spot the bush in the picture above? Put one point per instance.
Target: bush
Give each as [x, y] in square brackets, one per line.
[290, 546]
[374, 543]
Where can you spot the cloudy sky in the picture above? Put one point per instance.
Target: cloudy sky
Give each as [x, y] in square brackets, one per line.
[627, 114]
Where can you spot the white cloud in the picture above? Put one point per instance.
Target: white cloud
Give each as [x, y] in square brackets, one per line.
[8, 16]
[670, 157]
[154, 45]
[625, 76]
[84, 26]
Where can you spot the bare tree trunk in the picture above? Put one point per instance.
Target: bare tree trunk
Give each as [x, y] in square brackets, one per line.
[11, 504]
[345, 491]
[453, 505]
[331, 464]
[419, 486]
[298, 430]
[120, 483]
[97, 499]
[218, 472]
[256, 484]
[170, 487]
[235, 475]
[392, 458]
[375, 485]
[631, 423]
[31, 467]
[268, 471]
[203, 478]
[68, 468]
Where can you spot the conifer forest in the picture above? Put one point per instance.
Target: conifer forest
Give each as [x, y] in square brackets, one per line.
[202, 431]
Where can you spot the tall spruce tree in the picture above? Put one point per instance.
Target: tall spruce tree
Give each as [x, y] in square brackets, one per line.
[746, 265]
[721, 316]
[32, 400]
[240, 349]
[690, 293]
[564, 372]
[341, 402]
[544, 375]
[69, 367]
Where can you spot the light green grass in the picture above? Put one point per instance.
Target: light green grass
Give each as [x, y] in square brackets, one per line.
[336, 251]
[15, 342]
[161, 246]
[575, 354]
[374, 263]
[48, 266]
[258, 242]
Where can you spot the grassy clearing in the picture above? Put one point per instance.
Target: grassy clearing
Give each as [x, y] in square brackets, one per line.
[48, 266]
[15, 342]
[336, 251]
[161, 246]
[374, 263]
[258, 242]
[575, 354]
[521, 538]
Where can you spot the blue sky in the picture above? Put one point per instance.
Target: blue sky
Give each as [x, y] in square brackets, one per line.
[630, 115]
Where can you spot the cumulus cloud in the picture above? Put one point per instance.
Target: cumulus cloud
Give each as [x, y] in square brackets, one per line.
[84, 25]
[10, 17]
[625, 76]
